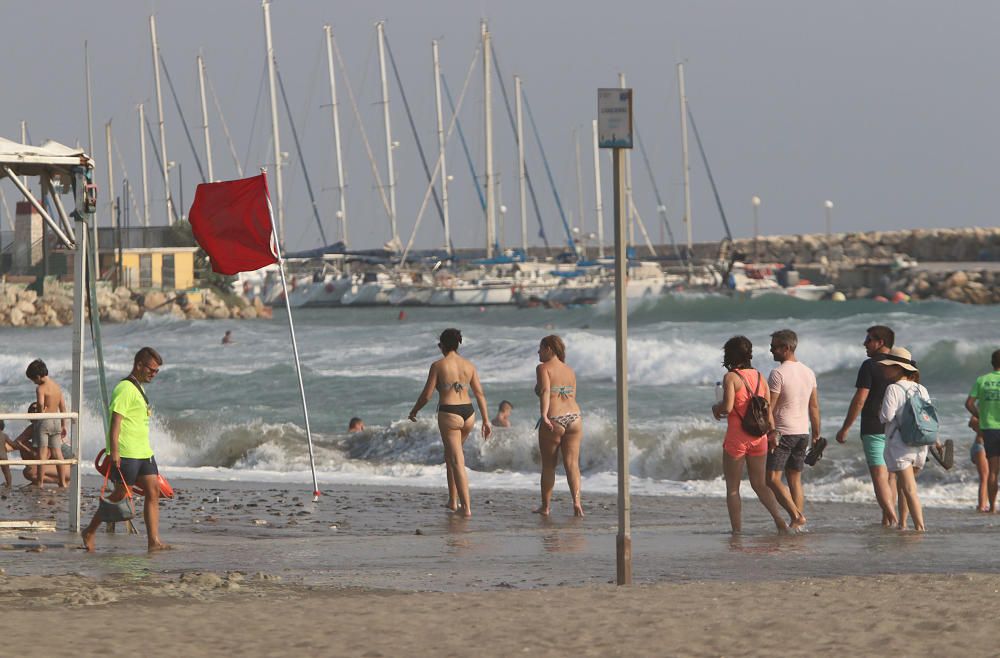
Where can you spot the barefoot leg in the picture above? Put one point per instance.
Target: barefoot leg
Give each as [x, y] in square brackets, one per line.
[756, 469]
[453, 431]
[732, 468]
[548, 447]
[570, 446]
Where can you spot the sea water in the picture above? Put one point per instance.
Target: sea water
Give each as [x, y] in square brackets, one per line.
[233, 412]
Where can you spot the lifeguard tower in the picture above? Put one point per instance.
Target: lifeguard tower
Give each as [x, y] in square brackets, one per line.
[61, 171]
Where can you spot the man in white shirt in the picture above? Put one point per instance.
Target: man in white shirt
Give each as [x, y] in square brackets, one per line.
[795, 405]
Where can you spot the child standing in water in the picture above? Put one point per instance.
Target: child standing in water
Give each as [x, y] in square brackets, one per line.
[49, 433]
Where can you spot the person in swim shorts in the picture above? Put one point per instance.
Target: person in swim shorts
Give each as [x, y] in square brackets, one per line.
[560, 426]
[867, 401]
[452, 376]
[984, 405]
[50, 432]
[739, 447]
[795, 406]
[132, 459]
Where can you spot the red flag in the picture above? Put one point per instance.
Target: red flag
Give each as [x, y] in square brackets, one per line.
[231, 221]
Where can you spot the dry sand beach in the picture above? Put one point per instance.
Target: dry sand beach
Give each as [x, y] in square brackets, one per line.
[260, 570]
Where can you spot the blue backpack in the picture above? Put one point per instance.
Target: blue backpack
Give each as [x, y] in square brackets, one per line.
[917, 421]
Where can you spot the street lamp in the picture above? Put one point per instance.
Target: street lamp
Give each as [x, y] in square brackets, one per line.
[829, 215]
[755, 202]
[180, 184]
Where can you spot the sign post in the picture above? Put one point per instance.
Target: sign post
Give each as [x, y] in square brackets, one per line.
[614, 128]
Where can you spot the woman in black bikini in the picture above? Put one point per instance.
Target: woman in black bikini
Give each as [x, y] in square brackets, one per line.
[560, 427]
[452, 376]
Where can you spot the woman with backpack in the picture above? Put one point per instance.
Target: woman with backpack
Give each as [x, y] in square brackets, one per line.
[904, 455]
[746, 405]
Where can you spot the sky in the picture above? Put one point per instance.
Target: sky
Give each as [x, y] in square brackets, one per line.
[887, 108]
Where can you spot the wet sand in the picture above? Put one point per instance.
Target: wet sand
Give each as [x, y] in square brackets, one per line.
[377, 571]
[209, 615]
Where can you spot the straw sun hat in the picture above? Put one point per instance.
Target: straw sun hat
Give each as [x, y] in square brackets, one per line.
[899, 356]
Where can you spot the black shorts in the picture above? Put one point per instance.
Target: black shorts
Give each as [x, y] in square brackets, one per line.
[991, 441]
[133, 469]
[790, 453]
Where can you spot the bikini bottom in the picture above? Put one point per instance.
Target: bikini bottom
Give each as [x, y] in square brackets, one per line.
[565, 420]
[463, 410]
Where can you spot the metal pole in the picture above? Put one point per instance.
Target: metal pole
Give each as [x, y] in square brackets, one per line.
[79, 288]
[275, 136]
[334, 108]
[295, 348]
[145, 174]
[159, 115]
[522, 171]
[597, 194]
[391, 173]
[623, 543]
[441, 145]
[629, 206]
[488, 116]
[684, 158]
[204, 118]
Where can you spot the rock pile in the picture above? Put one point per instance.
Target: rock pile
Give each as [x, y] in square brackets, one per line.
[969, 287]
[20, 307]
[845, 249]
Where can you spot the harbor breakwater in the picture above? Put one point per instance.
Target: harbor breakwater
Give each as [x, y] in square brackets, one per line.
[958, 264]
[21, 307]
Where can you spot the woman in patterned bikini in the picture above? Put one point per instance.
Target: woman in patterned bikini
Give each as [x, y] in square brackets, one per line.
[453, 376]
[560, 427]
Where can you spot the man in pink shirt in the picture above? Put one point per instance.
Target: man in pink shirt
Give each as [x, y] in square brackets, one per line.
[795, 404]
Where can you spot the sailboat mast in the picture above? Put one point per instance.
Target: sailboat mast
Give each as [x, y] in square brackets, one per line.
[579, 179]
[389, 144]
[204, 118]
[112, 220]
[597, 193]
[684, 156]
[520, 165]
[441, 145]
[342, 211]
[488, 106]
[159, 115]
[142, 156]
[275, 137]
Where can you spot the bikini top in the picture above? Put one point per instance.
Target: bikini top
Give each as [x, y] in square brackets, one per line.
[563, 391]
[458, 387]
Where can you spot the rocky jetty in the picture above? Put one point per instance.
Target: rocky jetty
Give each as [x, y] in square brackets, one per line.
[20, 307]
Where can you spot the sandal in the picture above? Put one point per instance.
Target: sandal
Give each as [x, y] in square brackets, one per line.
[944, 457]
[816, 452]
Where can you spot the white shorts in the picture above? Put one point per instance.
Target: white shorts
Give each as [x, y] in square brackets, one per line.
[899, 456]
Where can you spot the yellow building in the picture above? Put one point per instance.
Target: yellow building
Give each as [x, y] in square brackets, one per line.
[163, 268]
[147, 258]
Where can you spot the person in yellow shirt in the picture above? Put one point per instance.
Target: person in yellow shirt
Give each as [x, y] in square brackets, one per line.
[127, 443]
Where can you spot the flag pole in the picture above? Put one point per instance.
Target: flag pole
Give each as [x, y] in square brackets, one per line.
[295, 346]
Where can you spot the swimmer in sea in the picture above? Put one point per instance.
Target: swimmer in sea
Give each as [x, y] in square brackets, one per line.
[453, 377]
[560, 428]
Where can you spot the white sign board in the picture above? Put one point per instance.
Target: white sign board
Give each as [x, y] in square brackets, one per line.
[614, 118]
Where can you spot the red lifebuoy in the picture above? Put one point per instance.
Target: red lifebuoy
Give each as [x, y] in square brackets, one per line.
[103, 465]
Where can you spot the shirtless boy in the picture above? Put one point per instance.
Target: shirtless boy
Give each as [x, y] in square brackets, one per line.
[49, 433]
